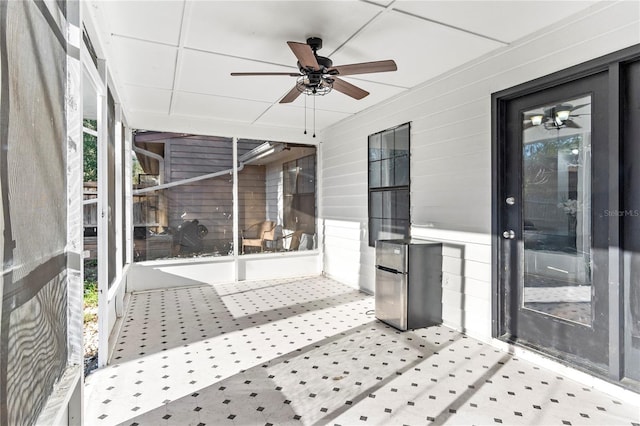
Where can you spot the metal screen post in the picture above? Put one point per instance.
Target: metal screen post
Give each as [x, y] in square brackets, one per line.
[235, 208]
[119, 217]
[128, 188]
[103, 218]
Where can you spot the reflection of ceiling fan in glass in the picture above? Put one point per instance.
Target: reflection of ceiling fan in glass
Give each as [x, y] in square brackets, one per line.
[555, 117]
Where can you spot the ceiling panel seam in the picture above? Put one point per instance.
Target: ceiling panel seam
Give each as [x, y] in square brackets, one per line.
[386, 9]
[186, 7]
[227, 55]
[453, 27]
[143, 40]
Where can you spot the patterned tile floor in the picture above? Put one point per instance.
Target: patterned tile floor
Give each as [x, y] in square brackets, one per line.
[309, 351]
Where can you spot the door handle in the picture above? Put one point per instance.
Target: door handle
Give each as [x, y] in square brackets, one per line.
[509, 235]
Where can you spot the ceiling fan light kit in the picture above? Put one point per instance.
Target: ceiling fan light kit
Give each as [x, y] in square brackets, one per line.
[555, 117]
[318, 76]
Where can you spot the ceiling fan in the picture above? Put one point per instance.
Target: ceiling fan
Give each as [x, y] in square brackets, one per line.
[317, 74]
[555, 117]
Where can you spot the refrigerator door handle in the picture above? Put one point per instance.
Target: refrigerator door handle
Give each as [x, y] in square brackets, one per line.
[384, 268]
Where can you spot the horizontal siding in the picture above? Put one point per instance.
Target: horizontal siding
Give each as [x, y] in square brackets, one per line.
[353, 190]
[252, 196]
[466, 284]
[451, 157]
[190, 157]
[211, 200]
[342, 244]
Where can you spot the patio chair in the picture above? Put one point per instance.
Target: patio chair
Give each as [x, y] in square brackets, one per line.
[294, 243]
[258, 234]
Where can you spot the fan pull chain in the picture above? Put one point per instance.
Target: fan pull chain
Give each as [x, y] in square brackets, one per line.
[314, 116]
[305, 115]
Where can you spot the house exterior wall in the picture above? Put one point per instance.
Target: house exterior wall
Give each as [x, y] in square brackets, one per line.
[208, 201]
[451, 158]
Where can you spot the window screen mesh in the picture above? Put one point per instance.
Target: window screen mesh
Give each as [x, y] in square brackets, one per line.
[33, 323]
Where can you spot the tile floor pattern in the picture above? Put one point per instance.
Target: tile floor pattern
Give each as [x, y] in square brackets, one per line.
[308, 351]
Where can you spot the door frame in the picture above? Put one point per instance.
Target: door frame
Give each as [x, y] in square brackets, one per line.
[612, 64]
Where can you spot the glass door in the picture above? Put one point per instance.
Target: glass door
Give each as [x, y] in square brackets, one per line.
[630, 216]
[555, 233]
[556, 202]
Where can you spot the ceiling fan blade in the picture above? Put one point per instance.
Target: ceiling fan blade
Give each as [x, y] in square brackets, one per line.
[349, 89]
[579, 106]
[364, 68]
[290, 74]
[305, 55]
[291, 96]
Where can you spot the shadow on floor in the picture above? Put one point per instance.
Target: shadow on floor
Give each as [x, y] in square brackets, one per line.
[161, 320]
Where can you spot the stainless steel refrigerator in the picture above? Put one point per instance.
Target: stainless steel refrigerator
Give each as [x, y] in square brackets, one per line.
[408, 292]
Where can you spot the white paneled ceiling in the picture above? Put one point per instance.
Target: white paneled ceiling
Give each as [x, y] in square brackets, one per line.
[171, 60]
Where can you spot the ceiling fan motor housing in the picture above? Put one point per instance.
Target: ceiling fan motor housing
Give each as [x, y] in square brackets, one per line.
[325, 64]
[315, 43]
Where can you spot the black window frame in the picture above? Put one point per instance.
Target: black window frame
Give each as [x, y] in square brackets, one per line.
[391, 189]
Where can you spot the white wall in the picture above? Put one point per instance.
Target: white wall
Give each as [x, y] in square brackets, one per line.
[168, 273]
[451, 158]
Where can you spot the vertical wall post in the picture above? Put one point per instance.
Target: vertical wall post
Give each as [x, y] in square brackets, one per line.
[74, 186]
[75, 216]
[103, 218]
[128, 185]
[119, 217]
[235, 209]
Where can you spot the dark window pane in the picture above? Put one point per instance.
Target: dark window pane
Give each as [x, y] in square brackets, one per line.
[288, 213]
[401, 170]
[374, 147]
[389, 230]
[374, 174]
[382, 233]
[305, 213]
[305, 184]
[402, 140]
[402, 204]
[306, 174]
[388, 201]
[299, 206]
[387, 144]
[301, 165]
[375, 226]
[400, 228]
[290, 177]
[389, 179]
[376, 204]
[386, 172]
